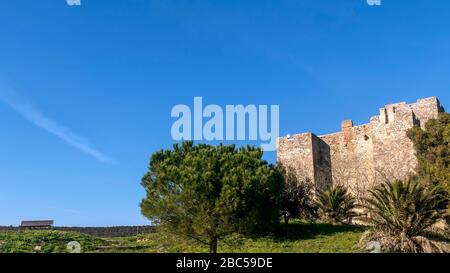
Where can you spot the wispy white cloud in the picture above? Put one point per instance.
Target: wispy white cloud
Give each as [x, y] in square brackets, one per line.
[33, 115]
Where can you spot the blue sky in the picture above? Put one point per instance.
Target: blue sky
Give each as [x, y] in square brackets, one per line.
[86, 92]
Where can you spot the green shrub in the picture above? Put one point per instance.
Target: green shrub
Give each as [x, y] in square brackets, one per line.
[44, 241]
[401, 213]
[335, 205]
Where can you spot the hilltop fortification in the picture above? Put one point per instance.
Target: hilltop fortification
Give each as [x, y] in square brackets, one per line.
[359, 156]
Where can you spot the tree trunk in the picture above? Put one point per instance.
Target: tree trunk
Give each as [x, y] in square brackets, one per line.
[213, 246]
[286, 219]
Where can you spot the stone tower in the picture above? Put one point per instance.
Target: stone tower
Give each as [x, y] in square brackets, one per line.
[359, 156]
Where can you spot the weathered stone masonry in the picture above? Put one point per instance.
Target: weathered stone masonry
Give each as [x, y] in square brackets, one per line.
[359, 156]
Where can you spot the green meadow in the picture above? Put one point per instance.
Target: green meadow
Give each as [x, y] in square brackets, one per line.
[295, 238]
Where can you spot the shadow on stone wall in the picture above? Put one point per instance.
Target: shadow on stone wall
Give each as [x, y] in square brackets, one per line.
[322, 163]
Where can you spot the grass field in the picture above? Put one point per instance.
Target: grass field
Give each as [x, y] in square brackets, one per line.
[296, 238]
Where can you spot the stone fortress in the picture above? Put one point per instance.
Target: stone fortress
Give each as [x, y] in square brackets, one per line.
[359, 157]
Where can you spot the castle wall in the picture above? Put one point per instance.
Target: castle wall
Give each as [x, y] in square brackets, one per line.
[394, 155]
[308, 156]
[296, 154]
[426, 109]
[360, 157]
[351, 156]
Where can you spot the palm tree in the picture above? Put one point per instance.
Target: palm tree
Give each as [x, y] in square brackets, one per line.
[402, 212]
[335, 205]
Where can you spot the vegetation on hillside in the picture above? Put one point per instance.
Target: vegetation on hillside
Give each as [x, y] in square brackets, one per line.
[335, 205]
[297, 198]
[45, 241]
[401, 215]
[206, 192]
[433, 150]
[219, 198]
[295, 238]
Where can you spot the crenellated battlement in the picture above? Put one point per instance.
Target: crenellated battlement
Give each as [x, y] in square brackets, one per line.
[359, 156]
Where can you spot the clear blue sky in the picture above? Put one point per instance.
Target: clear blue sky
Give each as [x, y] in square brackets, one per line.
[87, 91]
